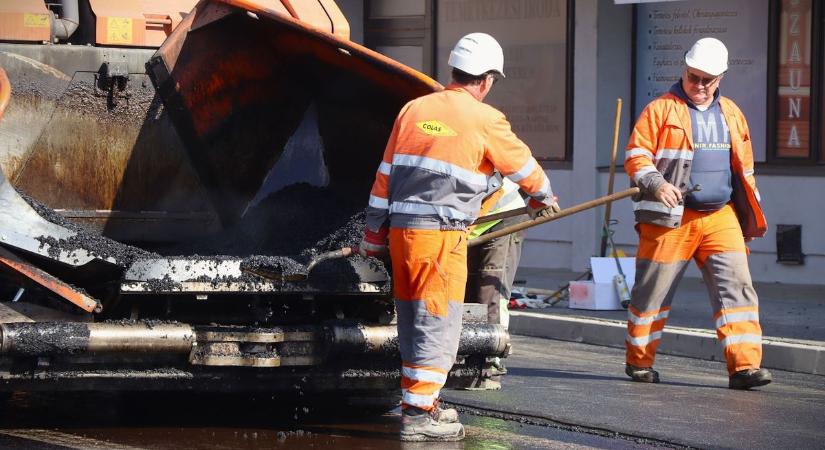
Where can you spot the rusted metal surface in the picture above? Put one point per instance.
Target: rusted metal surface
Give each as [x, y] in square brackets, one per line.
[128, 157]
[236, 111]
[10, 261]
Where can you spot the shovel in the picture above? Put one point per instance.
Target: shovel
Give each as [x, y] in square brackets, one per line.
[287, 269]
[563, 213]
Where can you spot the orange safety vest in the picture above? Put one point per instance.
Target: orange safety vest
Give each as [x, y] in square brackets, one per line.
[661, 150]
[439, 162]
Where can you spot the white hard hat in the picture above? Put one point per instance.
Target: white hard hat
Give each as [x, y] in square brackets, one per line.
[476, 54]
[708, 55]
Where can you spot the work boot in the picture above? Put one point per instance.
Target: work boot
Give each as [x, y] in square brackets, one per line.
[748, 378]
[444, 415]
[641, 374]
[423, 427]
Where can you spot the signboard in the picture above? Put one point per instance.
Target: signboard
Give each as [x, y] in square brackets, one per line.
[794, 81]
[533, 34]
[665, 31]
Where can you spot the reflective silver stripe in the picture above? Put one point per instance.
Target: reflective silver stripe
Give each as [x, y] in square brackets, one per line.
[674, 154]
[379, 203]
[641, 341]
[384, 168]
[758, 197]
[636, 152]
[747, 316]
[524, 172]
[421, 209]
[643, 171]
[543, 194]
[424, 375]
[657, 206]
[421, 401]
[442, 167]
[742, 339]
[748, 173]
[646, 320]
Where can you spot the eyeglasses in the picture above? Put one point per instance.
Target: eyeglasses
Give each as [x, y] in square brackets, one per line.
[704, 81]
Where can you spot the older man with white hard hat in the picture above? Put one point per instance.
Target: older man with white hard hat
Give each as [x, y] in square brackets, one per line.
[437, 168]
[687, 138]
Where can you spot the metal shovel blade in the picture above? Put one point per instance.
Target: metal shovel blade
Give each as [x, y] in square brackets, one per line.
[275, 268]
[287, 269]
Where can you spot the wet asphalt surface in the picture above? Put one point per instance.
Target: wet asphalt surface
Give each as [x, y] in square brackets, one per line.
[210, 421]
[557, 395]
[111, 421]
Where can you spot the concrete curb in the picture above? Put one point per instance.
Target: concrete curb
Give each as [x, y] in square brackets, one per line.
[777, 353]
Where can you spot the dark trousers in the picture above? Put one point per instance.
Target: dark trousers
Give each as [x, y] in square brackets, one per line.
[491, 270]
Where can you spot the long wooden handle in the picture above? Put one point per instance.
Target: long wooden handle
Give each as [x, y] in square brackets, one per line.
[563, 213]
[607, 209]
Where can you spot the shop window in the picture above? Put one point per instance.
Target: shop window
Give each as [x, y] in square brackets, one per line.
[402, 30]
[535, 36]
[536, 95]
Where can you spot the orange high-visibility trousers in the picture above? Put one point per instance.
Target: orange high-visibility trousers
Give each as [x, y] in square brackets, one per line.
[429, 271]
[714, 240]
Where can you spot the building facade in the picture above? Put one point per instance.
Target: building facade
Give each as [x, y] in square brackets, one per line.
[568, 61]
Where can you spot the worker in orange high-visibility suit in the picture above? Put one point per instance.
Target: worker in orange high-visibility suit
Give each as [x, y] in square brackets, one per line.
[690, 137]
[437, 167]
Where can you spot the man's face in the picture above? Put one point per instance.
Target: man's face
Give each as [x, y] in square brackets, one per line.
[700, 86]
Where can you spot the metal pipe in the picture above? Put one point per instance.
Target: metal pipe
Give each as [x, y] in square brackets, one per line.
[41, 338]
[364, 339]
[144, 338]
[476, 338]
[65, 26]
[50, 338]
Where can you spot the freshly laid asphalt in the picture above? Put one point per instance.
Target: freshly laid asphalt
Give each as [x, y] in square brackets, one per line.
[792, 319]
[584, 387]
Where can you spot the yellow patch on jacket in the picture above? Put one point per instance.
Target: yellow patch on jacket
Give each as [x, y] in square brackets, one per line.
[435, 128]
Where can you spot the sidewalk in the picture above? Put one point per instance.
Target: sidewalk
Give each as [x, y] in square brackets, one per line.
[792, 319]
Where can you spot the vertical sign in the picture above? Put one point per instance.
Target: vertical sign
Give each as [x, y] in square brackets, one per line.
[533, 34]
[665, 31]
[794, 86]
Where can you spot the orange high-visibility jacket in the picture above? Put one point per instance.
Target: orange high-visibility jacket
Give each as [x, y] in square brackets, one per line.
[661, 150]
[439, 163]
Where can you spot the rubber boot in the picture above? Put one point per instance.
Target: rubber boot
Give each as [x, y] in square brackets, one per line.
[422, 427]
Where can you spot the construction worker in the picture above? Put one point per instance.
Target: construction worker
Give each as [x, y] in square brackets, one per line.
[436, 169]
[688, 137]
[492, 265]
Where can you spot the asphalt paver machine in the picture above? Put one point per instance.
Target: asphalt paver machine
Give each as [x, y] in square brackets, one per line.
[150, 149]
